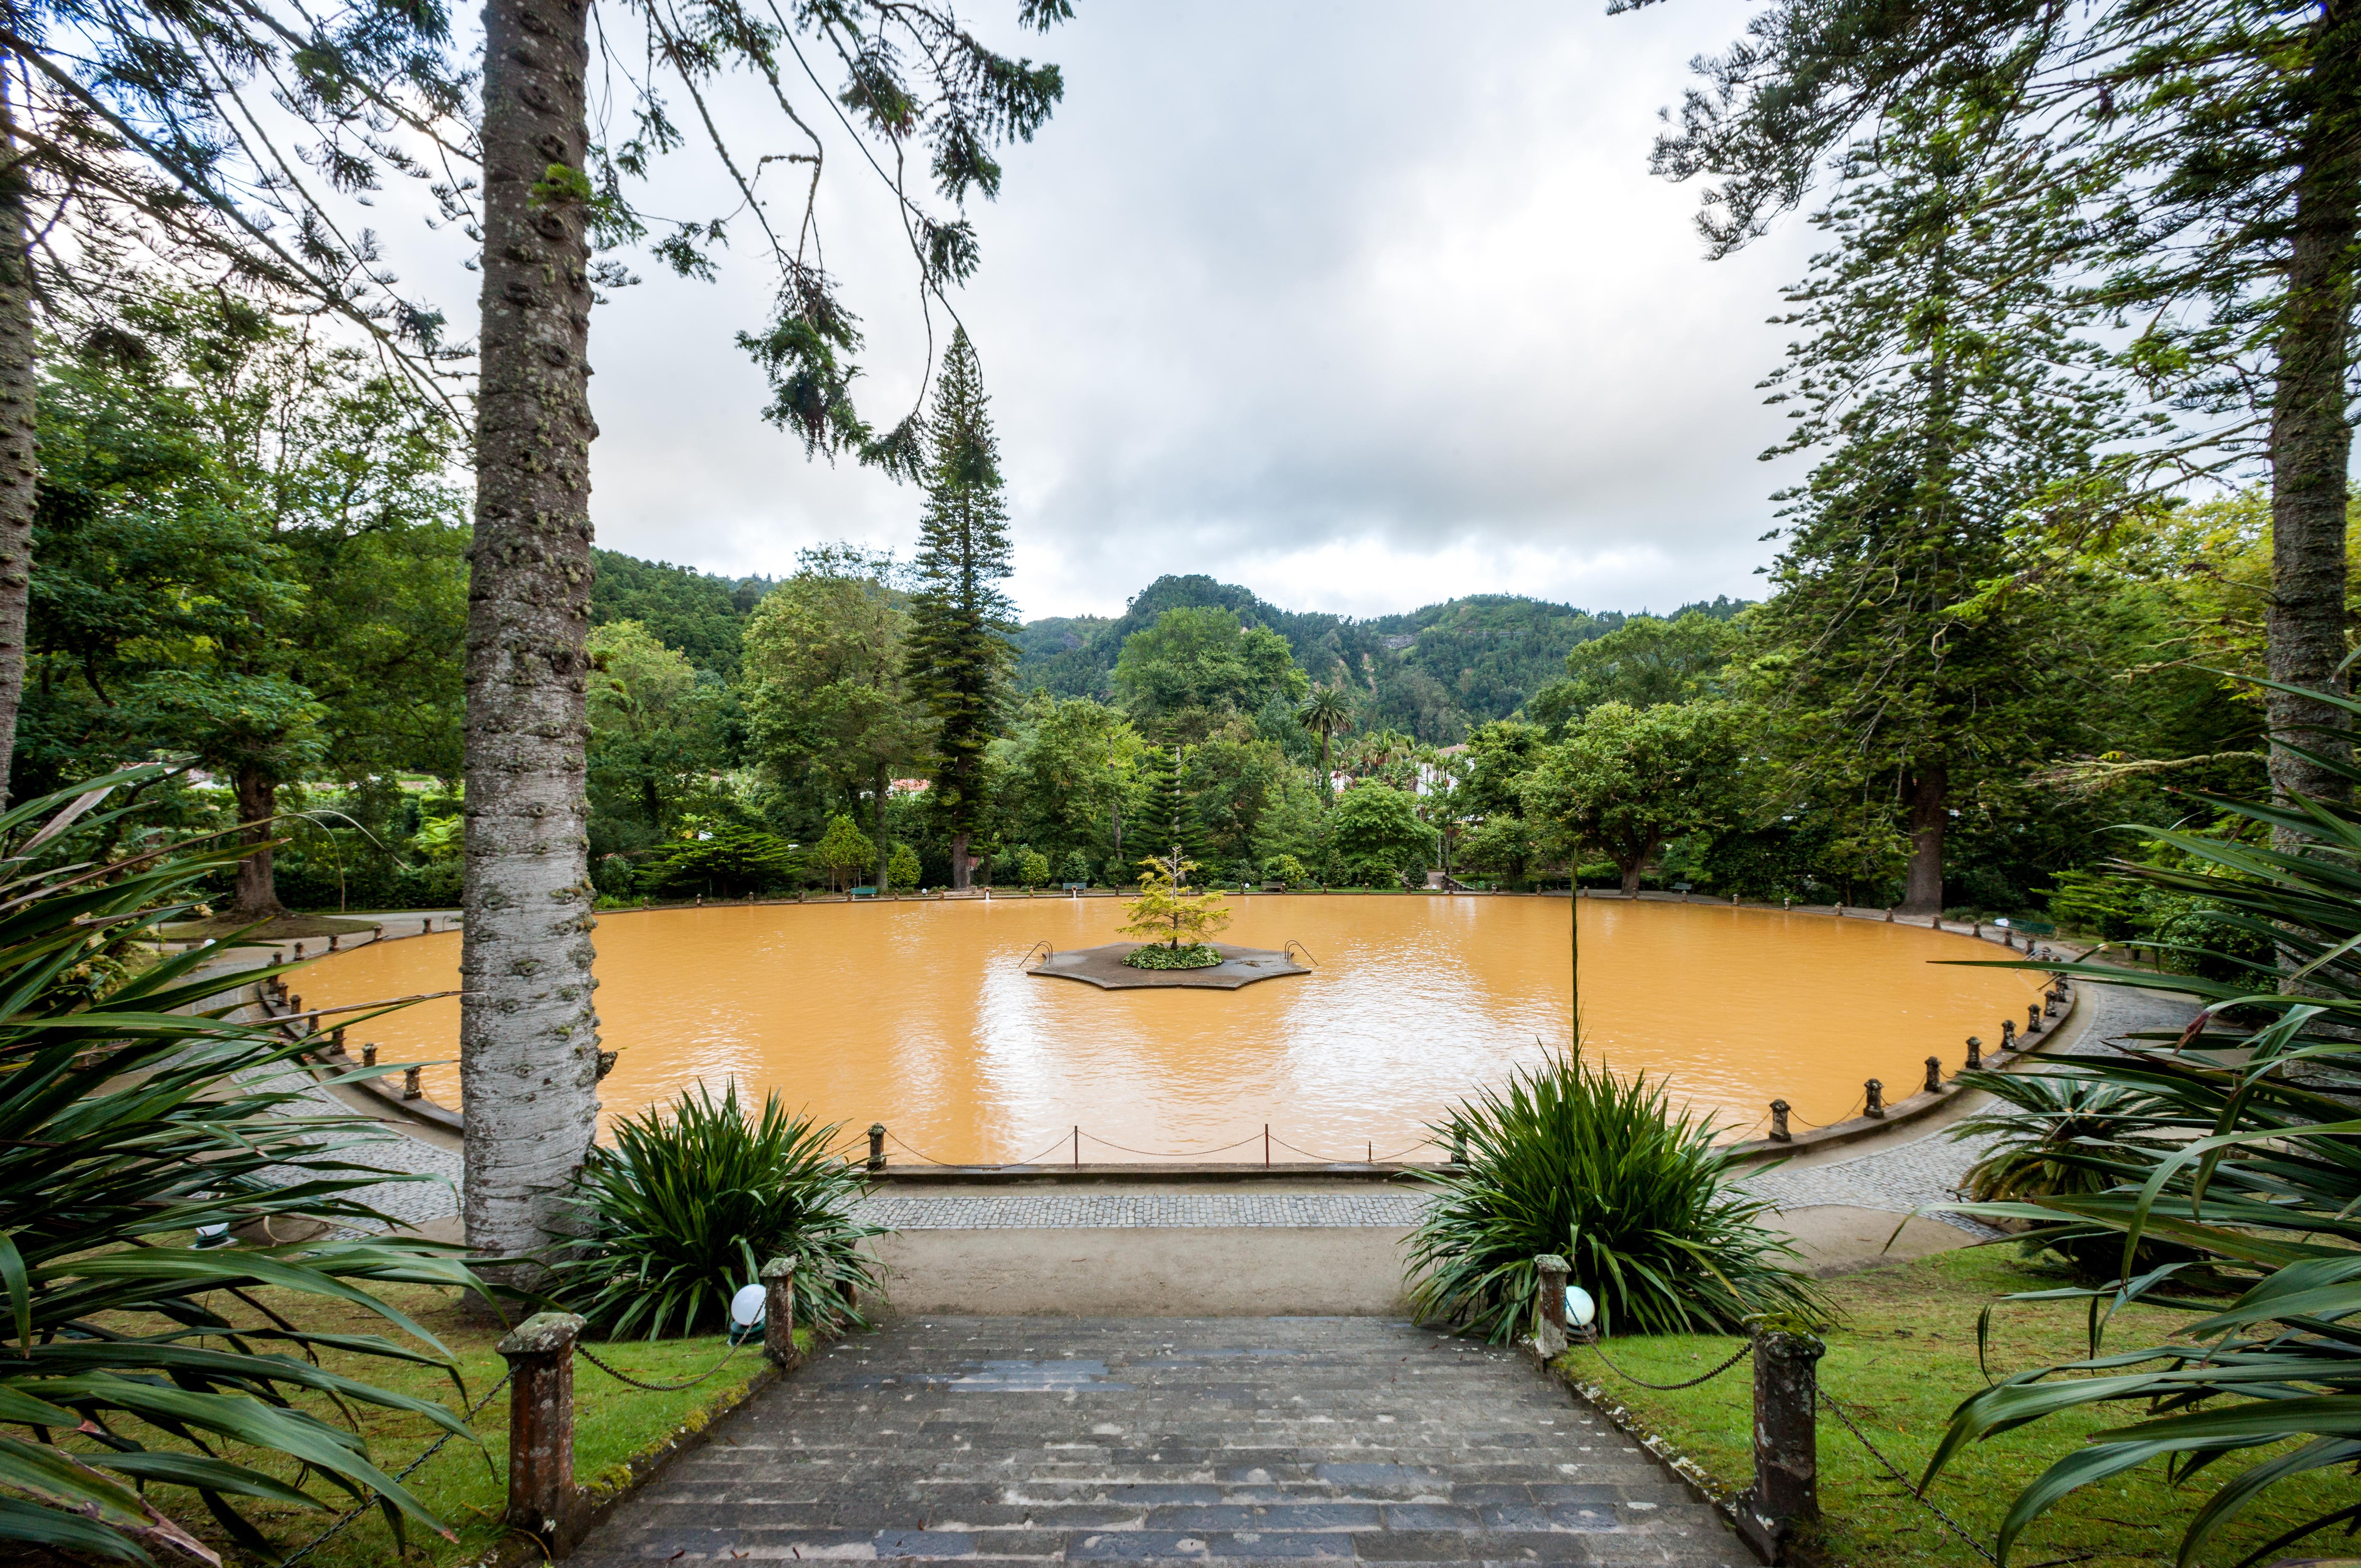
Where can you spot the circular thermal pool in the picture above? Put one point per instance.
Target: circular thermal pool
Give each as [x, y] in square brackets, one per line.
[920, 1016]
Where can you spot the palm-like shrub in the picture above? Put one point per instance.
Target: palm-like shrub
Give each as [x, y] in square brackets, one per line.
[2247, 1150]
[1603, 1171]
[2065, 1132]
[691, 1202]
[126, 1122]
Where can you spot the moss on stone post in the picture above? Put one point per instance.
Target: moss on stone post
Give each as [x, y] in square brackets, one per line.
[779, 1313]
[540, 1354]
[1785, 1496]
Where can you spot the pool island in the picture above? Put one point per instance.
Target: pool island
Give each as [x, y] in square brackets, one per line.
[1104, 968]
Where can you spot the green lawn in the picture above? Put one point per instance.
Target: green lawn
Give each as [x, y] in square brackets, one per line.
[467, 1485]
[1902, 1358]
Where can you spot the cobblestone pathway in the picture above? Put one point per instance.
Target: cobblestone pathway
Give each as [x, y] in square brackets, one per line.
[1236, 1441]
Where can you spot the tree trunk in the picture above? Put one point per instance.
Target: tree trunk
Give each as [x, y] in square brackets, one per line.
[1630, 878]
[257, 896]
[958, 860]
[528, 1033]
[19, 453]
[1931, 815]
[880, 814]
[2311, 439]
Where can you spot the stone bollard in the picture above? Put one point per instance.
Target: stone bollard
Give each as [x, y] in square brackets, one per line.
[1551, 1272]
[411, 1088]
[1874, 1099]
[1976, 1049]
[369, 1055]
[1786, 901]
[2008, 941]
[877, 1145]
[1459, 1147]
[336, 1039]
[2032, 1018]
[1785, 1496]
[1979, 930]
[332, 943]
[294, 1003]
[1889, 918]
[779, 1313]
[2008, 1034]
[1733, 901]
[299, 949]
[1934, 1074]
[1779, 1133]
[540, 1354]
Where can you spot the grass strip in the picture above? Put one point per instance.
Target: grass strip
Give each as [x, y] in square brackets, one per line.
[1902, 1358]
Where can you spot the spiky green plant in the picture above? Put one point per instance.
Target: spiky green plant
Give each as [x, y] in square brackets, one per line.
[2248, 1153]
[1603, 1171]
[127, 1119]
[691, 1202]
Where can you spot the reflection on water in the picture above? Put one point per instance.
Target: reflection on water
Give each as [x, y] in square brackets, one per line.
[921, 1016]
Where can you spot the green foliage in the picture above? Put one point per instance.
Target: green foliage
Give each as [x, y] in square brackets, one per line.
[1601, 1171]
[1169, 911]
[1641, 664]
[1285, 869]
[726, 861]
[1376, 835]
[135, 1116]
[1624, 780]
[827, 698]
[1156, 956]
[614, 876]
[702, 615]
[1077, 868]
[694, 1198]
[655, 725]
[902, 866]
[1197, 667]
[960, 616]
[2239, 1144]
[1032, 867]
[845, 850]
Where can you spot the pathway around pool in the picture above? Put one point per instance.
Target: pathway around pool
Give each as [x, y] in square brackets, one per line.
[1238, 1440]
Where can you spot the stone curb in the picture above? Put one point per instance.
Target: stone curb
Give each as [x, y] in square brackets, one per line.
[1902, 1112]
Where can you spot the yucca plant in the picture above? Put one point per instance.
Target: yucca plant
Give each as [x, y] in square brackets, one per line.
[2247, 1152]
[129, 1118]
[690, 1202]
[2063, 1132]
[1605, 1172]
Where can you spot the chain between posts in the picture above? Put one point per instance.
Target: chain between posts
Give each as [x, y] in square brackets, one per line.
[1743, 1352]
[657, 1387]
[357, 1510]
[1955, 1527]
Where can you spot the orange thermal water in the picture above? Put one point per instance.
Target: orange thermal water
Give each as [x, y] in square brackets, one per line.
[921, 1015]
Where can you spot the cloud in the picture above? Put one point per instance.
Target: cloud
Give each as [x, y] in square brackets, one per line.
[1361, 304]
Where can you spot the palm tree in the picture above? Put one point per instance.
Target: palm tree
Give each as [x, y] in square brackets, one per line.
[1323, 713]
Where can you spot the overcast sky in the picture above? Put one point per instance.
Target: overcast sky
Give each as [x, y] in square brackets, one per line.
[1362, 304]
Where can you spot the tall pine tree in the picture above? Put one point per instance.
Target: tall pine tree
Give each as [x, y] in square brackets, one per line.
[962, 621]
[1908, 675]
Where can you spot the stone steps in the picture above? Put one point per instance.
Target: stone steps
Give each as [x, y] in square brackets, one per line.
[1148, 1441]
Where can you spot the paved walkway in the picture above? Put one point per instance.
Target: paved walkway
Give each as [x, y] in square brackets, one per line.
[1238, 1440]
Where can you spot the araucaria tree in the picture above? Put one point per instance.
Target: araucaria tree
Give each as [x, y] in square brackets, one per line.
[1902, 670]
[961, 619]
[2220, 147]
[528, 1031]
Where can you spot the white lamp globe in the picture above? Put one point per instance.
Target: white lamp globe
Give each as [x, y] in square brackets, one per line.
[746, 1307]
[1579, 1308]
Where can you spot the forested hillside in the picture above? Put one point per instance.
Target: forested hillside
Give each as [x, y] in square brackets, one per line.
[1431, 673]
[702, 615]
